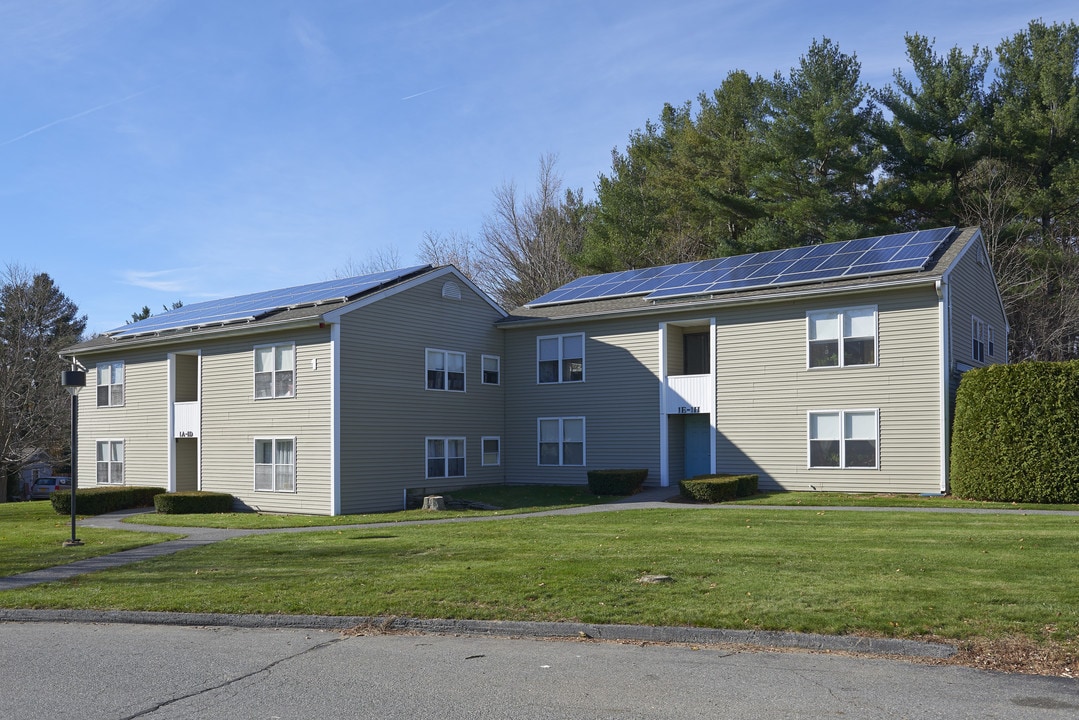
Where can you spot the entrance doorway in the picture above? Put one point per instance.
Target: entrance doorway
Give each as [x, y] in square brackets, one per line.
[698, 453]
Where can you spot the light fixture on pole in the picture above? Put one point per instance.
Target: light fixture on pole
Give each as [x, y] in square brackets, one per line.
[73, 381]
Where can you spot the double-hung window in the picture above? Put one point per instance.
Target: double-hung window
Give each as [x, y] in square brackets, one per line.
[492, 451]
[275, 371]
[275, 464]
[445, 370]
[980, 336]
[491, 370]
[445, 457]
[843, 439]
[110, 462]
[560, 358]
[561, 441]
[842, 338]
[110, 384]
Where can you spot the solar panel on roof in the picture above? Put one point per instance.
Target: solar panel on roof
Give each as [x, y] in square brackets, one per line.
[249, 307]
[900, 252]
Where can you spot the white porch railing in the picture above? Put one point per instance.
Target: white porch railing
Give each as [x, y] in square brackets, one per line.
[185, 419]
[689, 394]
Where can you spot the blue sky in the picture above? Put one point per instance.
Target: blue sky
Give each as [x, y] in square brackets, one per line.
[155, 150]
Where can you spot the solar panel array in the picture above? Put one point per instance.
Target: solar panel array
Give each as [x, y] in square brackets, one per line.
[250, 307]
[901, 252]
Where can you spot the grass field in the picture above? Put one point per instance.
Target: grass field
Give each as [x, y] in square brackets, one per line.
[32, 536]
[893, 574]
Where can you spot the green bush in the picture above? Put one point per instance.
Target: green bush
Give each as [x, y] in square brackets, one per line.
[186, 503]
[616, 482]
[717, 488]
[1015, 437]
[100, 500]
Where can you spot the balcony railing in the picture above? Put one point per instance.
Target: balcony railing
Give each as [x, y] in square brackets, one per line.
[185, 419]
[689, 394]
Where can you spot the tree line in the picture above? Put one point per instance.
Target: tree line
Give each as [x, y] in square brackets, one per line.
[981, 137]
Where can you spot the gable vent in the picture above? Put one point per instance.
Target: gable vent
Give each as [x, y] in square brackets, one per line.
[451, 290]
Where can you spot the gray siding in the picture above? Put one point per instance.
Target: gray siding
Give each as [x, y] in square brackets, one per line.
[974, 292]
[232, 420]
[386, 412]
[619, 400]
[765, 392]
[142, 421]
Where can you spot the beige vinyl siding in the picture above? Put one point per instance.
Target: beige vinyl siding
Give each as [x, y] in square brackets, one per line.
[765, 392]
[232, 419]
[386, 410]
[141, 422]
[974, 292]
[619, 400]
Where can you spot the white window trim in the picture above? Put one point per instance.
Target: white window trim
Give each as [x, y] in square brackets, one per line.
[273, 373]
[483, 452]
[842, 439]
[498, 362]
[254, 466]
[123, 460]
[446, 370]
[562, 441]
[446, 458]
[561, 357]
[110, 384]
[839, 312]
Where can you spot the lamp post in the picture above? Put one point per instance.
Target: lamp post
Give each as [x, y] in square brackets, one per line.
[73, 381]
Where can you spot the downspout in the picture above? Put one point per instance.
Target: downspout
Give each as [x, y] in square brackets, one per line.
[944, 342]
[335, 418]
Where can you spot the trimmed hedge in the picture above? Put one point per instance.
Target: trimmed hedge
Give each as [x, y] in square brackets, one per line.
[186, 503]
[1015, 437]
[616, 482]
[100, 500]
[717, 488]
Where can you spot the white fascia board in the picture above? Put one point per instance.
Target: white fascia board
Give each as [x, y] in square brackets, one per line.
[198, 336]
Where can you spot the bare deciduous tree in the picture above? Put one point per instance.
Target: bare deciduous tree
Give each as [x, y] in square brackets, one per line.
[527, 241]
[379, 260]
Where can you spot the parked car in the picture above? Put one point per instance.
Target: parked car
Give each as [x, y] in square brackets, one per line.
[45, 486]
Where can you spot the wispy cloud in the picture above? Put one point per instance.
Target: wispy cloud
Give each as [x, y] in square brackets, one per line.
[69, 118]
[421, 94]
[173, 280]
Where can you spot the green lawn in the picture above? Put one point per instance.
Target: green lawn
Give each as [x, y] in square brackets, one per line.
[32, 536]
[898, 574]
[513, 498]
[835, 499]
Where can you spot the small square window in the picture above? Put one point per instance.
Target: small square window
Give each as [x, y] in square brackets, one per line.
[492, 451]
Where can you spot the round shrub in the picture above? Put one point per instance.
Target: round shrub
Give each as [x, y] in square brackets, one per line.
[197, 501]
[1015, 437]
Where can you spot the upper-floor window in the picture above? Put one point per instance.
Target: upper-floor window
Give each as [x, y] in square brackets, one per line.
[445, 370]
[981, 339]
[275, 371]
[843, 338]
[492, 369]
[110, 384]
[696, 348]
[560, 358]
[843, 439]
[445, 457]
[110, 462]
[275, 464]
[561, 441]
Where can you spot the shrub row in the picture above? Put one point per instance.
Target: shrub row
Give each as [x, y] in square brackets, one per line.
[186, 503]
[1015, 437]
[616, 482]
[717, 488]
[100, 500]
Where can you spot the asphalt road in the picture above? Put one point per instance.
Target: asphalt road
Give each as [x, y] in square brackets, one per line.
[159, 672]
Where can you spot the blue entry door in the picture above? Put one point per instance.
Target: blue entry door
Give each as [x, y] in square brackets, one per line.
[698, 450]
